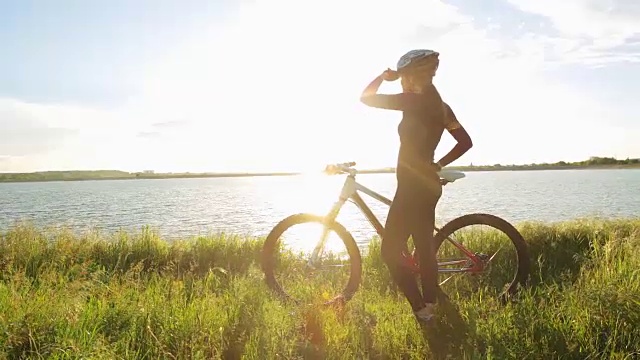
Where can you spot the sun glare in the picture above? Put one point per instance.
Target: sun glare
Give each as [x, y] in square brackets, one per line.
[296, 108]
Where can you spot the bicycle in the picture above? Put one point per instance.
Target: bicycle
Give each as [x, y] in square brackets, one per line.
[471, 262]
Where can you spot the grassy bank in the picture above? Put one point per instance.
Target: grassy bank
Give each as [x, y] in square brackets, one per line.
[136, 296]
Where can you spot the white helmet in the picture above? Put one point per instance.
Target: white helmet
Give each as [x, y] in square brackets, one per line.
[414, 56]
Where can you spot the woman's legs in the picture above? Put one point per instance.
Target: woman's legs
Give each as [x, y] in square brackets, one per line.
[426, 251]
[394, 241]
[413, 213]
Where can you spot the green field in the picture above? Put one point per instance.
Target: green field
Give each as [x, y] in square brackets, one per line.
[136, 296]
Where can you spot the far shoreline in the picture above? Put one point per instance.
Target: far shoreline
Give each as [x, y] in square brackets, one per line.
[79, 175]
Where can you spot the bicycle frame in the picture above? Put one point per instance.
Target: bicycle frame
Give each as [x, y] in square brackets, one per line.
[350, 191]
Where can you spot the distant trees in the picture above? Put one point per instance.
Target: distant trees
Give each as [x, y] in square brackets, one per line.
[596, 160]
[64, 175]
[592, 161]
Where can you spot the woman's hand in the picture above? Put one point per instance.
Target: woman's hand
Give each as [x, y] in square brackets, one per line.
[390, 75]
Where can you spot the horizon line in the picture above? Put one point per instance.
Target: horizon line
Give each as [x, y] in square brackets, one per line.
[378, 169]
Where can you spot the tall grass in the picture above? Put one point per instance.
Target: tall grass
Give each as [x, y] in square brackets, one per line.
[137, 296]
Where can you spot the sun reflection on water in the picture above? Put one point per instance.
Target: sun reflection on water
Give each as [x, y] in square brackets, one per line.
[312, 193]
[316, 193]
[304, 237]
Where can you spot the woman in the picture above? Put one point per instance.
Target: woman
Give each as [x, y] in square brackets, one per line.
[424, 118]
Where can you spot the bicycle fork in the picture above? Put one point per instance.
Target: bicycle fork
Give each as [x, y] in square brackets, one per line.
[347, 190]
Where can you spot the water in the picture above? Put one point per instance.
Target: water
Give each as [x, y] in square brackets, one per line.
[252, 206]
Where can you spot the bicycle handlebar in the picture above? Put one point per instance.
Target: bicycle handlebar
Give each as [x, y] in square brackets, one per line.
[346, 167]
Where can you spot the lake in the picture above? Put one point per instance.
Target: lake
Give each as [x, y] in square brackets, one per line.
[253, 205]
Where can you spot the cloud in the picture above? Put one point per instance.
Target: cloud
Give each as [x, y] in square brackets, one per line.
[170, 124]
[164, 128]
[591, 32]
[149, 134]
[24, 132]
[274, 90]
[610, 22]
[36, 136]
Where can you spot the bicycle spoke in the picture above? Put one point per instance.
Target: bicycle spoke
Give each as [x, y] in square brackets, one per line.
[446, 280]
[489, 274]
[315, 267]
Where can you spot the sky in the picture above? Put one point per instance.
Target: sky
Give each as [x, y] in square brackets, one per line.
[274, 85]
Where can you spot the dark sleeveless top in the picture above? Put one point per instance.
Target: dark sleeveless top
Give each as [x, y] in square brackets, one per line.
[425, 116]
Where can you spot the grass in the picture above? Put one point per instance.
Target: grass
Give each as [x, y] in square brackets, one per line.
[136, 296]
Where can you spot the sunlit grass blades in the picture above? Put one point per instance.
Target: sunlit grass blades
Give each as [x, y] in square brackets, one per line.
[96, 296]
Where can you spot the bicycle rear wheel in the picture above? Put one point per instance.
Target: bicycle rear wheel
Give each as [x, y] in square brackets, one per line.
[505, 263]
[288, 272]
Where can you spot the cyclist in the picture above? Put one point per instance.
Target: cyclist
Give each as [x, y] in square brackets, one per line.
[425, 116]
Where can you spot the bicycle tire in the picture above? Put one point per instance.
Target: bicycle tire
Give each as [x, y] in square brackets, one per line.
[355, 276]
[521, 277]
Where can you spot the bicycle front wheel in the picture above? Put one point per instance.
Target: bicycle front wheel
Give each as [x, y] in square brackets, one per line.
[501, 255]
[292, 273]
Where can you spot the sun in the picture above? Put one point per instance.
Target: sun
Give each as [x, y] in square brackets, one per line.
[268, 104]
